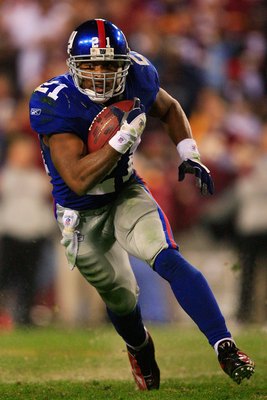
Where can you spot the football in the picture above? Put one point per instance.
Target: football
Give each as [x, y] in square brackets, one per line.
[106, 124]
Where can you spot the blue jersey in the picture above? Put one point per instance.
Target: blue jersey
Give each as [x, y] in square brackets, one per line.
[57, 106]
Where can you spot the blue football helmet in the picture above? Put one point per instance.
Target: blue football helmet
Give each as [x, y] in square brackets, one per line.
[98, 59]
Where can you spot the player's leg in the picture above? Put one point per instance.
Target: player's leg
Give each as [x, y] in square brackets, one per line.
[193, 293]
[149, 237]
[105, 265]
[112, 276]
[140, 348]
[143, 229]
[128, 321]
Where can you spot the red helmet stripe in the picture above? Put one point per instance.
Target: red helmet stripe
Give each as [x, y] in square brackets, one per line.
[101, 33]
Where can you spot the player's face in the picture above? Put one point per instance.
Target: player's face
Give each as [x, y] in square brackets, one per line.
[98, 76]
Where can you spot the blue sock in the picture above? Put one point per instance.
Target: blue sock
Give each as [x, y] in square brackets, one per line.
[192, 293]
[130, 327]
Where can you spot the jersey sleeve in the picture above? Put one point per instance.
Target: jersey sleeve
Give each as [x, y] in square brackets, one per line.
[51, 111]
[144, 79]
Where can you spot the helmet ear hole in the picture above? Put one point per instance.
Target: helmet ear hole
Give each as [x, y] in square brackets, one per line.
[99, 41]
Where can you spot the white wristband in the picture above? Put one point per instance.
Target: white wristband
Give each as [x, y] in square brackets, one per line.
[128, 134]
[187, 149]
[123, 139]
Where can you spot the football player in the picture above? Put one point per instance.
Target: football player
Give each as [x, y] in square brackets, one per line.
[102, 206]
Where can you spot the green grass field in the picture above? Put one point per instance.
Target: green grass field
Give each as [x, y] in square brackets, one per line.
[53, 364]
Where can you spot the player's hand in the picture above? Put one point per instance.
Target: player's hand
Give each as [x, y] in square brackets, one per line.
[203, 177]
[190, 164]
[133, 124]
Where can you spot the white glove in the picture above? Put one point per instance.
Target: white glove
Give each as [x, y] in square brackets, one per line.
[135, 145]
[130, 131]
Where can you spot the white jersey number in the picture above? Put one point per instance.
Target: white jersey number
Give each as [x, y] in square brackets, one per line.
[44, 88]
[138, 58]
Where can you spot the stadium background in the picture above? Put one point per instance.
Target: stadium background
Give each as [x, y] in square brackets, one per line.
[212, 56]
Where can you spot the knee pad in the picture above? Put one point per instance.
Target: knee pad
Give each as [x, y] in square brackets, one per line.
[119, 292]
[120, 301]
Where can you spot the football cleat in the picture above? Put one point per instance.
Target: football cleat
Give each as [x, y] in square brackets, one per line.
[234, 362]
[145, 370]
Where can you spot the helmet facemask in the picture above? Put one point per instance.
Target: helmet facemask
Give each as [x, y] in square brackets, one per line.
[101, 84]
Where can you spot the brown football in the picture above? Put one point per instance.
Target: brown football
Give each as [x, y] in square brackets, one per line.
[105, 125]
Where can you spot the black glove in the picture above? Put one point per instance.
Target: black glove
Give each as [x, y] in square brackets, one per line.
[203, 177]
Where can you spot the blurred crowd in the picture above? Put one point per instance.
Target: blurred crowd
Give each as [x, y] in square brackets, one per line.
[211, 55]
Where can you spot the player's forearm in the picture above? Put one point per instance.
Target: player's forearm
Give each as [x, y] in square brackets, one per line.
[91, 169]
[82, 173]
[176, 123]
